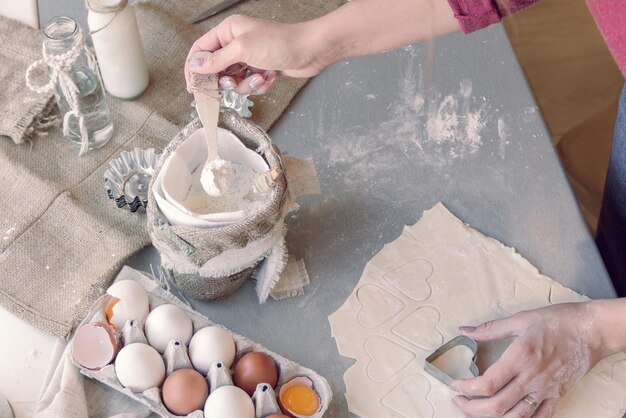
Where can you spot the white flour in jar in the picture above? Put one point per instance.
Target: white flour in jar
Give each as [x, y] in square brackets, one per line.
[237, 197]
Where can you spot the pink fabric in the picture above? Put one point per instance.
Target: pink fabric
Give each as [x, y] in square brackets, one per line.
[477, 14]
[610, 15]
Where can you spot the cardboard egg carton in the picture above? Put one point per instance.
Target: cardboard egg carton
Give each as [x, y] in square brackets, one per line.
[151, 397]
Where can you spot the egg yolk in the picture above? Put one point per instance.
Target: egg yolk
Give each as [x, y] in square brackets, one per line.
[300, 400]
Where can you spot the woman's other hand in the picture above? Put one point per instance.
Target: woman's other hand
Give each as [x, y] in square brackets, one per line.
[553, 349]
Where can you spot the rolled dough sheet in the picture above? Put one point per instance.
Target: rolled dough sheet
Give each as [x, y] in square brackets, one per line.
[440, 274]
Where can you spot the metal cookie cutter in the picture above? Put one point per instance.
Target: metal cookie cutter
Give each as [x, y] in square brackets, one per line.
[460, 340]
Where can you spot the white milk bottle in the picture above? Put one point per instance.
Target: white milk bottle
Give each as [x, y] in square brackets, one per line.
[115, 35]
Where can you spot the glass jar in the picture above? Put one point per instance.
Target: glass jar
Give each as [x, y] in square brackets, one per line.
[84, 109]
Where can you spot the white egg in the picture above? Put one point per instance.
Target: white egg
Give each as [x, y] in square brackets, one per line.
[211, 344]
[139, 367]
[229, 402]
[165, 323]
[130, 301]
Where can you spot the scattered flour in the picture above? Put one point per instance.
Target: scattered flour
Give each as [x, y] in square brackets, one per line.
[454, 124]
[504, 132]
[433, 131]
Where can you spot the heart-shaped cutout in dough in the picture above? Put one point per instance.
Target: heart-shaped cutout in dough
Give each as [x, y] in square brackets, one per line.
[386, 358]
[377, 306]
[412, 279]
[410, 396]
[420, 328]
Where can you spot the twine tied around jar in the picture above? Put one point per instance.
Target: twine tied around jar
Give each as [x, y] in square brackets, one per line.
[59, 66]
[98, 6]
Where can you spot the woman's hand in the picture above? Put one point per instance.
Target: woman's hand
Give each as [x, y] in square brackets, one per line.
[248, 53]
[553, 349]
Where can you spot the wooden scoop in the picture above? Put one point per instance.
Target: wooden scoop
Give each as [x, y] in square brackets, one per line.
[216, 173]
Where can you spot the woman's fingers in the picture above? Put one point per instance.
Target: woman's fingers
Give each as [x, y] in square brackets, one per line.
[236, 70]
[523, 409]
[239, 44]
[546, 409]
[215, 62]
[494, 406]
[257, 83]
[229, 82]
[224, 45]
[205, 62]
[497, 329]
[495, 378]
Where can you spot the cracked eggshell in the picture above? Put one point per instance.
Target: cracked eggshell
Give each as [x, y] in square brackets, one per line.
[139, 367]
[298, 398]
[229, 402]
[211, 344]
[94, 345]
[166, 323]
[129, 301]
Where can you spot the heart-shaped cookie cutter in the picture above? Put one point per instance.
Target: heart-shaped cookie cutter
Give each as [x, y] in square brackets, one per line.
[456, 341]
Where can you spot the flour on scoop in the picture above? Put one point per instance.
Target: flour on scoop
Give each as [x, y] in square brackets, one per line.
[233, 199]
[217, 177]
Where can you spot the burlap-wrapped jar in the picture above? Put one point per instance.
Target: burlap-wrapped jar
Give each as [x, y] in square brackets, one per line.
[185, 250]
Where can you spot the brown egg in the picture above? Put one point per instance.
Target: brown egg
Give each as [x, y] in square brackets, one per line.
[184, 391]
[277, 416]
[254, 368]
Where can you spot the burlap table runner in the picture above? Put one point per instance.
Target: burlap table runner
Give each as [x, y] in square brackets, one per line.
[22, 112]
[61, 239]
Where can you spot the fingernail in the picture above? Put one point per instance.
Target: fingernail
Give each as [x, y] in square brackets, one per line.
[453, 387]
[467, 329]
[195, 63]
[269, 75]
[256, 81]
[227, 83]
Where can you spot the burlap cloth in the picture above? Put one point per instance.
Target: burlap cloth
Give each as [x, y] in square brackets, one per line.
[22, 111]
[61, 239]
[185, 251]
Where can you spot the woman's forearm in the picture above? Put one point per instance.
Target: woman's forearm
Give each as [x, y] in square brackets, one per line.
[609, 318]
[363, 27]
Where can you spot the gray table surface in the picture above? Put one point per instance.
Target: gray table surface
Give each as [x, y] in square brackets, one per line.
[355, 121]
